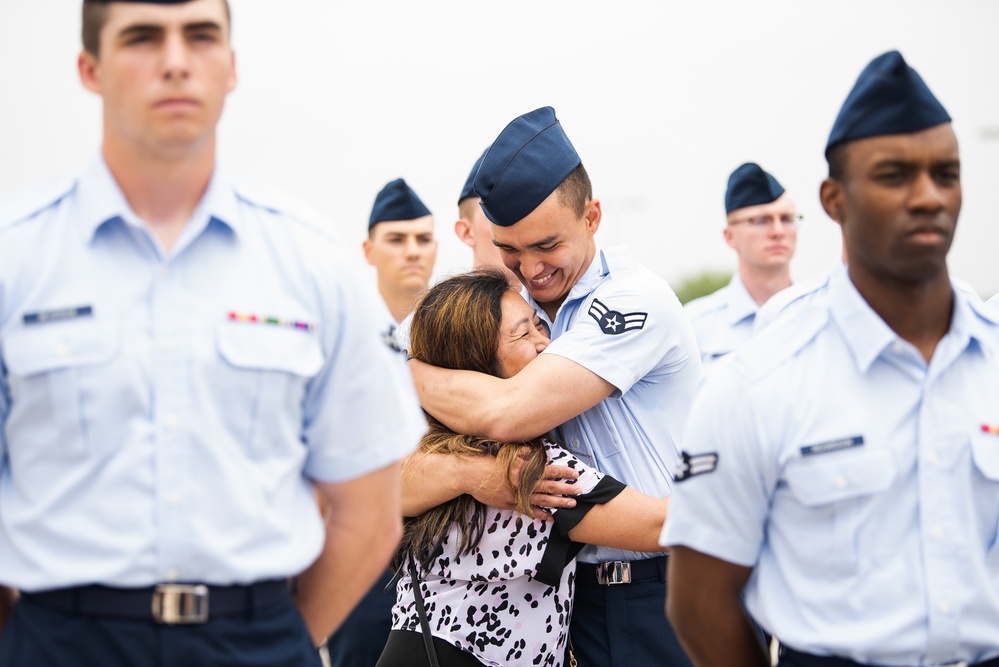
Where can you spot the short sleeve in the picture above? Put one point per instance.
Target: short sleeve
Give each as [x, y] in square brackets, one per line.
[361, 411]
[722, 493]
[4, 409]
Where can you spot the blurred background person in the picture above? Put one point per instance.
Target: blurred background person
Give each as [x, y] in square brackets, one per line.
[762, 228]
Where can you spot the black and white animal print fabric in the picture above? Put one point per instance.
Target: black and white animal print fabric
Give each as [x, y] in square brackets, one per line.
[489, 602]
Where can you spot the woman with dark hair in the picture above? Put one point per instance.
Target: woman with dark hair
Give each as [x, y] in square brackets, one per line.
[495, 585]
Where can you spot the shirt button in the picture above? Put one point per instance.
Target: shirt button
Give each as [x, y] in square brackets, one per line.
[173, 500]
[575, 443]
[168, 345]
[61, 350]
[944, 607]
[172, 422]
[933, 459]
[165, 273]
[937, 533]
[896, 346]
[840, 482]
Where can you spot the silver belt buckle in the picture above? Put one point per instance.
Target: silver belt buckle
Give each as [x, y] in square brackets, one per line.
[176, 604]
[614, 572]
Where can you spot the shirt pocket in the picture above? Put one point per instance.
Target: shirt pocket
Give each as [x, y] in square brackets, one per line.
[56, 373]
[266, 371]
[985, 488]
[837, 495]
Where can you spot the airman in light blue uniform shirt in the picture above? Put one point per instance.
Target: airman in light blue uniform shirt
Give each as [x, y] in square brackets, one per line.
[761, 227]
[843, 469]
[185, 363]
[617, 378]
[128, 383]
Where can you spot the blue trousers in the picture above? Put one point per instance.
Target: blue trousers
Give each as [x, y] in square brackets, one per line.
[624, 625]
[38, 636]
[361, 638]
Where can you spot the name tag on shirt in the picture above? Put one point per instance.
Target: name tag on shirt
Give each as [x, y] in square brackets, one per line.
[832, 446]
[58, 315]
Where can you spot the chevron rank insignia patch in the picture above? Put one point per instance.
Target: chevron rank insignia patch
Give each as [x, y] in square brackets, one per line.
[613, 322]
[390, 340]
[690, 465]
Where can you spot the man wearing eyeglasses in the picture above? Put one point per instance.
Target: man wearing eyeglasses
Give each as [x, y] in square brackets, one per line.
[762, 228]
[842, 471]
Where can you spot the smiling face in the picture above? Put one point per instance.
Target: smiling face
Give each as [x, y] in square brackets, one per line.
[550, 249]
[764, 246]
[522, 336]
[898, 201]
[163, 72]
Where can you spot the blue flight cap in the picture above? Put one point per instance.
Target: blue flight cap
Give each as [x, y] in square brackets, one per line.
[397, 201]
[749, 185]
[529, 159]
[889, 98]
[468, 190]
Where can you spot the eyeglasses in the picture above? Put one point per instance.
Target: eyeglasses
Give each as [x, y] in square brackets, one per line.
[764, 221]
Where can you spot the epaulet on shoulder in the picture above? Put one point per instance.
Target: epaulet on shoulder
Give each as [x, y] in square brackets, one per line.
[779, 342]
[25, 204]
[704, 305]
[278, 201]
[987, 310]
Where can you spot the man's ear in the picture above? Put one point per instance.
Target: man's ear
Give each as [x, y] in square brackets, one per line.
[831, 196]
[367, 251]
[463, 230]
[727, 235]
[233, 77]
[88, 66]
[593, 216]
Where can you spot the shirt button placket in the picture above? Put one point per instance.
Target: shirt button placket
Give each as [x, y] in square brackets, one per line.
[170, 311]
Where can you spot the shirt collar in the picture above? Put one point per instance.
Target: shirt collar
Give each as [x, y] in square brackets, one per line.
[599, 267]
[102, 201]
[869, 335]
[740, 303]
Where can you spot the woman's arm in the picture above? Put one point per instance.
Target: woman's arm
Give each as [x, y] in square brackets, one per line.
[631, 520]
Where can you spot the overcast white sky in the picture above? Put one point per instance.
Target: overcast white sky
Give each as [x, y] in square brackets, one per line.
[662, 100]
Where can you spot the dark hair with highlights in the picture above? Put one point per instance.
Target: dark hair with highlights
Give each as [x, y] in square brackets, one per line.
[456, 325]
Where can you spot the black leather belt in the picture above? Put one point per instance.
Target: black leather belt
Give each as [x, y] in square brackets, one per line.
[164, 603]
[800, 659]
[613, 572]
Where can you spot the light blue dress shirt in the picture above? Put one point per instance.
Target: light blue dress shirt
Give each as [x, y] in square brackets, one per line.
[790, 299]
[151, 431]
[860, 483]
[722, 321]
[624, 323]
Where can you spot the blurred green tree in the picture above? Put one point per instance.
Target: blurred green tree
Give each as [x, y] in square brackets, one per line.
[701, 284]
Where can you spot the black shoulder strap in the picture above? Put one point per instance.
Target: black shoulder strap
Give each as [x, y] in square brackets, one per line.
[428, 639]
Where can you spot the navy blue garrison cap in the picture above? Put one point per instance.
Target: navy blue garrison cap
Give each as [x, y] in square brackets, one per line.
[468, 190]
[529, 159]
[749, 185]
[397, 201]
[889, 98]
